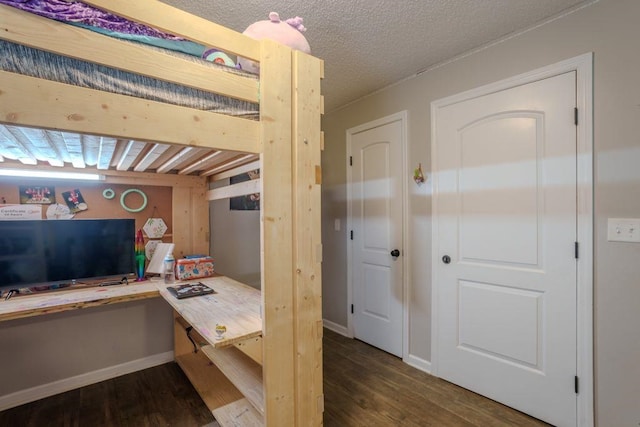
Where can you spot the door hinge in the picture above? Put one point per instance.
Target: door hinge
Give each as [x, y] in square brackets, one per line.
[575, 115]
[351, 308]
[350, 160]
[575, 383]
[575, 248]
[351, 234]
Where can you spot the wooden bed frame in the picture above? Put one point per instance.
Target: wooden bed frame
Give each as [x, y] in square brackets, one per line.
[287, 138]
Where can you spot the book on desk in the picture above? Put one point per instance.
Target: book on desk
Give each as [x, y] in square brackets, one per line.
[189, 290]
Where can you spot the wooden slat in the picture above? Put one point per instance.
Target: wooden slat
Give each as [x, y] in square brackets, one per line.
[181, 157]
[238, 413]
[236, 171]
[73, 145]
[213, 387]
[105, 154]
[276, 229]
[28, 101]
[91, 146]
[15, 145]
[240, 189]
[46, 34]
[151, 156]
[207, 161]
[130, 154]
[228, 165]
[244, 373]
[59, 301]
[307, 107]
[235, 305]
[181, 23]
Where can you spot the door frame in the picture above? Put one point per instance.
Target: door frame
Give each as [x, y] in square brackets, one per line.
[402, 117]
[583, 66]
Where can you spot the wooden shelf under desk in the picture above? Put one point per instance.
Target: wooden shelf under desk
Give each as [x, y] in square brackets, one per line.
[213, 387]
[242, 371]
[236, 356]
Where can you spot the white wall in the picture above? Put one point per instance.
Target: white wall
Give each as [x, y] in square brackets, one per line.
[235, 241]
[52, 348]
[610, 29]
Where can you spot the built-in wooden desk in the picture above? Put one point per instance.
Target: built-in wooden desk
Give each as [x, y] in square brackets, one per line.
[234, 305]
[38, 304]
[226, 370]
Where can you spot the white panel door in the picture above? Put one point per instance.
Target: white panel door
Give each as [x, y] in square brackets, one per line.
[376, 220]
[506, 213]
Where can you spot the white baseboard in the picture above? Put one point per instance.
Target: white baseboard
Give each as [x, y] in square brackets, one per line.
[418, 363]
[339, 329]
[39, 392]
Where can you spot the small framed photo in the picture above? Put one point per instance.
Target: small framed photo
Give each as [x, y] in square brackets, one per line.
[37, 194]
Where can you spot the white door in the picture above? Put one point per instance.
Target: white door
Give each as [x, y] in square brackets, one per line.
[376, 232]
[505, 197]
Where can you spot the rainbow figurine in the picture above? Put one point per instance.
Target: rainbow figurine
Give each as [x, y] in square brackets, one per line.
[140, 257]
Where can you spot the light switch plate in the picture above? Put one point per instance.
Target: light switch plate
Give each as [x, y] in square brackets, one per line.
[623, 230]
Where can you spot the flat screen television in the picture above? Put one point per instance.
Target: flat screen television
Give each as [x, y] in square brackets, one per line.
[56, 253]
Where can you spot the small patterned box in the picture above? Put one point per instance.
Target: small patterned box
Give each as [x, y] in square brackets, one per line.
[194, 268]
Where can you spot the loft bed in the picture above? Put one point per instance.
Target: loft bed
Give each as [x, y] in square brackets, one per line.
[285, 139]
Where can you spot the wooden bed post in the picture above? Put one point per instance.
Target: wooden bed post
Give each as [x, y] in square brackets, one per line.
[291, 237]
[307, 242]
[277, 235]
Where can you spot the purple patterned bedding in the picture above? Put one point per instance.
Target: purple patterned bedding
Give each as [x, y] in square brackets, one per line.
[80, 13]
[41, 64]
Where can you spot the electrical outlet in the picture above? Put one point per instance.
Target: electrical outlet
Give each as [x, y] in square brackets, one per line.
[623, 230]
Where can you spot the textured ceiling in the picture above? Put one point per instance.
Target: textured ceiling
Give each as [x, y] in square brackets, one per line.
[370, 44]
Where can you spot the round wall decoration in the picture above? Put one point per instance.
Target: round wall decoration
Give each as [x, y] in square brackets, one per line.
[108, 193]
[133, 210]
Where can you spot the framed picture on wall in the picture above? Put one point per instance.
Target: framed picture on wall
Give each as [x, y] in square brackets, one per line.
[250, 202]
[37, 194]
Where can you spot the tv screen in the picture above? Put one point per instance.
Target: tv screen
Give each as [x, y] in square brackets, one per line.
[57, 252]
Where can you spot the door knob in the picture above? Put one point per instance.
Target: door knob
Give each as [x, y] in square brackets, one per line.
[395, 253]
[446, 259]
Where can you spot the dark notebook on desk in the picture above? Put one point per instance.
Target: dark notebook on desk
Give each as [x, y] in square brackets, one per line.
[190, 290]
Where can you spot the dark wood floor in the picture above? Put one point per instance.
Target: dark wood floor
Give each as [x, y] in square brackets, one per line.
[154, 397]
[363, 386]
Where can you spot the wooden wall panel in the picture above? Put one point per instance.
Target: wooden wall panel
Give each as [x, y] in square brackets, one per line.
[98, 206]
[179, 201]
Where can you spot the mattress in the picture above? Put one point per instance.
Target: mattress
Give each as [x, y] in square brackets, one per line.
[41, 64]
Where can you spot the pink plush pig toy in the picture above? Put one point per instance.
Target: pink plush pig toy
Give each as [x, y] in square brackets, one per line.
[287, 32]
